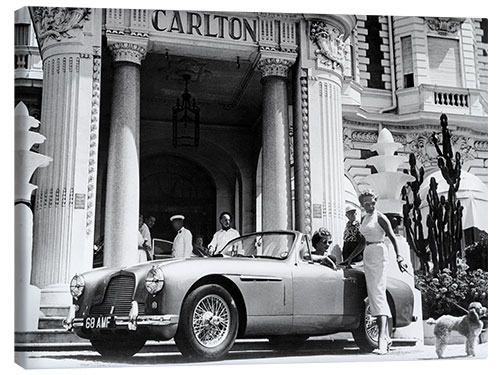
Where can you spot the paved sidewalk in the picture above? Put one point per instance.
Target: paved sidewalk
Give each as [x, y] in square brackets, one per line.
[317, 351]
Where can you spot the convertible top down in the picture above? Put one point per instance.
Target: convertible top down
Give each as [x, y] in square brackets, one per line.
[260, 285]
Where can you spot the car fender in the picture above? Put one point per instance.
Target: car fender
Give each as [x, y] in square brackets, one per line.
[400, 299]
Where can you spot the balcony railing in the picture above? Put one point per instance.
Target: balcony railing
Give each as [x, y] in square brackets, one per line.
[434, 98]
[27, 63]
[451, 99]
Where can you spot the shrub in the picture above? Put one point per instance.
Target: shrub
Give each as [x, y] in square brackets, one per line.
[477, 254]
[442, 293]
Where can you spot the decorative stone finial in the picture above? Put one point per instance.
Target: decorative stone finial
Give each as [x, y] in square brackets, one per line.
[26, 161]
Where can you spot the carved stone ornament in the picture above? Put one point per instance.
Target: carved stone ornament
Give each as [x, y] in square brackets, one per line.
[444, 26]
[330, 43]
[127, 52]
[55, 23]
[304, 107]
[347, 137]
[465, 146]
[274, 67]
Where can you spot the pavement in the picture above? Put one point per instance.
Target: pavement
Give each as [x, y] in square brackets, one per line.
[252, 352]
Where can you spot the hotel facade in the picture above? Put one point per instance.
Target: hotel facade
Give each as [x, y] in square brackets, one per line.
[290, 106]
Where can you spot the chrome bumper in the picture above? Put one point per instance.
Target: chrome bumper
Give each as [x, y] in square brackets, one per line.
[131, 322]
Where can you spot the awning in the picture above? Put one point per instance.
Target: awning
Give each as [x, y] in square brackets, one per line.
[472, 193]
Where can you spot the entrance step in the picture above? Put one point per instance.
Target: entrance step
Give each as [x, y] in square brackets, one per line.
[52, 311]
[45, 336]
[50, 322]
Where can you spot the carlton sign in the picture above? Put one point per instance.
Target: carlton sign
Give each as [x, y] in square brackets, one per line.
[207, 25]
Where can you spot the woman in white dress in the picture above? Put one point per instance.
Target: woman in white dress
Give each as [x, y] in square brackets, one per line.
[374, 227]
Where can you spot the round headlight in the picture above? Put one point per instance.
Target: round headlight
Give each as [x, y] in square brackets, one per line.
[77, 285]
[155, 280]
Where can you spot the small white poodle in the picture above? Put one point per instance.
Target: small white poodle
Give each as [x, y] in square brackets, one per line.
[469, 325]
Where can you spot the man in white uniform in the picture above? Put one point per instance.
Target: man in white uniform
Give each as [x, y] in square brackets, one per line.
[224, 235]
[183, 242]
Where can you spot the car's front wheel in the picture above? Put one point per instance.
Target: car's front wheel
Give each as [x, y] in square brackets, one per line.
[366, 336]
[117, 349]
[208, 323]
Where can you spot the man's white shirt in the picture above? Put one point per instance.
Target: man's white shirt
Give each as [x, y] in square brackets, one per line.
[183, 244]
[221, 238]
[146, 234]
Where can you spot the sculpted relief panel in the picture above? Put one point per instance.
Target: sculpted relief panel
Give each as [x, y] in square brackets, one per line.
[331, 48]
[419, 143]
[56, 23]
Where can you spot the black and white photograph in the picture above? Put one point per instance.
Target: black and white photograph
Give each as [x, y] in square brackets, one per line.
[200, 185]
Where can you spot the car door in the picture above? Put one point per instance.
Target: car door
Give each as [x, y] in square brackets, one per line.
[318, 294]
[264, 279]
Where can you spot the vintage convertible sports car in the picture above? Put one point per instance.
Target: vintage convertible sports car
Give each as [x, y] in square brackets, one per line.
[261, 285]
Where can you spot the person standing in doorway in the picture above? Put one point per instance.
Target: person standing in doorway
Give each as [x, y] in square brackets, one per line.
[183, 241]
[146, 233]
[223, 235]
[142, 244]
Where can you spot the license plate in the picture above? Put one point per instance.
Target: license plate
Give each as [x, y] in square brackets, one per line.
[98, 322]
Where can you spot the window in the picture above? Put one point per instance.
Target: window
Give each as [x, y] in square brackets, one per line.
[444, 61]
[21, 34]
[407, 56]
[374, 52]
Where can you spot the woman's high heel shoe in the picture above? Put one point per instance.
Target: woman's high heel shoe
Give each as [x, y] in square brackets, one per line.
[384, 347]
[380, 351]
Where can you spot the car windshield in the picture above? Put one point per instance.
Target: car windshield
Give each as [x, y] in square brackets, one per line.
[260, 245]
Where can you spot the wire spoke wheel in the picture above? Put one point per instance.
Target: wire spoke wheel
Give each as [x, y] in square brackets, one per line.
[211, 320]
[366, 335]
[371, 326]
[208, 323]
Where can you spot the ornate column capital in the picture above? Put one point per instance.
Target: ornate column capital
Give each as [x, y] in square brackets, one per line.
[56, 23]
[276, 64]
[127, 52]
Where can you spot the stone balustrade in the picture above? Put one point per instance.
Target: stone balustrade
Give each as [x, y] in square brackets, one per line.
[434, 98]
[27, 62]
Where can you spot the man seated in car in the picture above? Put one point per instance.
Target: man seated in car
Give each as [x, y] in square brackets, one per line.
[321, 241]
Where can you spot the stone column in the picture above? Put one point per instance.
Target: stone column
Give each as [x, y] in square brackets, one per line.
[323, 123]
[276, 195]
[70, 46]
[327, 154]
[122, 189]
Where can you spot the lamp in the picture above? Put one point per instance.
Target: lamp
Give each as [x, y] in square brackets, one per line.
[186, 119]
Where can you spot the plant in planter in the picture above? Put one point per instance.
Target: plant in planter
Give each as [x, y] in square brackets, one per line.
[444, 222]
[444, 293]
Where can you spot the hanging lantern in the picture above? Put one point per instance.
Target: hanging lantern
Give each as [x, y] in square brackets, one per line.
[186, 119]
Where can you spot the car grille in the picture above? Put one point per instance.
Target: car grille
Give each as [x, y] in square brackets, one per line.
[119, 294]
